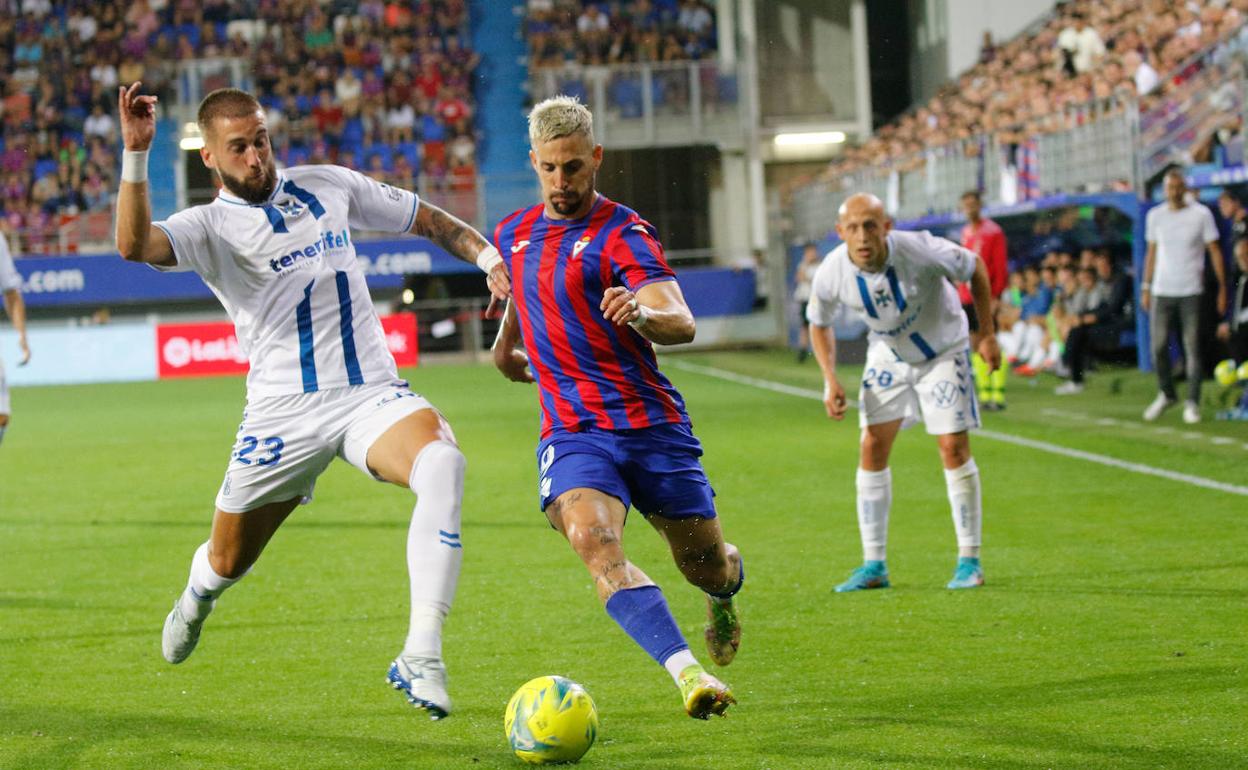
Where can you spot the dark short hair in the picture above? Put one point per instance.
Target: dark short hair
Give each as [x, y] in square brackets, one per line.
[225, 103]
[971, 194]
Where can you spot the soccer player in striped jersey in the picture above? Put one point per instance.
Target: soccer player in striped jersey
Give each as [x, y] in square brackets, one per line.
[11, 289]
[918, 366]
[276, 249]
[592, 291]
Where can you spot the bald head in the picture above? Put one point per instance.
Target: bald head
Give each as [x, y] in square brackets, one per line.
[863, 224]
[861, 203]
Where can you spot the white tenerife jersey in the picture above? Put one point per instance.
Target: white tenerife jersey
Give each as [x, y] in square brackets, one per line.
[287, 274]
[911, 310]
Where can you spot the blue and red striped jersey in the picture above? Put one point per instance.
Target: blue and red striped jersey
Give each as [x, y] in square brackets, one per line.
[588, 370]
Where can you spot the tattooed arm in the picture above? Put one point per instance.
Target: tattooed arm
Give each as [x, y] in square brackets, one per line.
[463, 242]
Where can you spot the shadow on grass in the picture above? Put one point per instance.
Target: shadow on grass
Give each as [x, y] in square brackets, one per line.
[79, 737]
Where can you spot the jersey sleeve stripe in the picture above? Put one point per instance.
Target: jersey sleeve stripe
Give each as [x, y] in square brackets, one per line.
[411, 220]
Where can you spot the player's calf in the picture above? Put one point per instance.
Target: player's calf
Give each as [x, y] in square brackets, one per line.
[185, 621]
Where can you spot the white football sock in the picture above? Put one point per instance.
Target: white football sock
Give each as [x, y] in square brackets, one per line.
[966, 505]
[204, 585]
[679, 661]
[875, 496]
[434, 551]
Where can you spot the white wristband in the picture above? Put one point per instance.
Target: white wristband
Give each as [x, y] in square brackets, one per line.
[641, 319]
[134, 166]
[1145, 286]
[488, 258]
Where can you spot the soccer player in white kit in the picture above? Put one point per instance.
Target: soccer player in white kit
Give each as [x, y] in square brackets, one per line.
[276, 249]
[11, 288]
[918, 366]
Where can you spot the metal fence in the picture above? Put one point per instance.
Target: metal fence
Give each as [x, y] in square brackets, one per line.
[647, 105]
[1113, 144]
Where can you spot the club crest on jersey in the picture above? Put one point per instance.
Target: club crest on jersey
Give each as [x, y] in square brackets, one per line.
[290, 207]
[519, 247]
[580, 245]
[882, 299]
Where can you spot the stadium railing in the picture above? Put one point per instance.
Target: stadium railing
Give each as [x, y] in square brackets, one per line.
[647, 105]
[1115, 144]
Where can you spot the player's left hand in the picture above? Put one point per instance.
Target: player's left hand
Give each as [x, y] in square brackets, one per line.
[499, 282]
[25, 346]
[989, 351]
[619, 305]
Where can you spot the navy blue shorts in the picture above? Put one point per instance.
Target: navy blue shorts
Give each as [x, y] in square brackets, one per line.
[655, 469]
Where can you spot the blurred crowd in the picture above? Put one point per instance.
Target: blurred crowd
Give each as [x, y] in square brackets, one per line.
[385, 87]
[589, 33]
[1086, 52]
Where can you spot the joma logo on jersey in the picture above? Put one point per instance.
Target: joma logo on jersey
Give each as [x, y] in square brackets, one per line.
[327, 241]
[519, 247]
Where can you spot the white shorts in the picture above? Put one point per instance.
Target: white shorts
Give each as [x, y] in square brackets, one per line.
[4, 390]
[285, 442]
[941, 392]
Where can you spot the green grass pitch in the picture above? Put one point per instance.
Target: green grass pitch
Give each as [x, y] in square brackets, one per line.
[1113, 630]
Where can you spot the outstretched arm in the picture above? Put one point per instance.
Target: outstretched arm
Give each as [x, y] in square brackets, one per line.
[138, 240]
[16, 307]
[657, 311]
[465, 243]
[510, 360]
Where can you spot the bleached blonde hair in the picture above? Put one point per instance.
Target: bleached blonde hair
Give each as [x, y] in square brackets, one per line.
[560, 116]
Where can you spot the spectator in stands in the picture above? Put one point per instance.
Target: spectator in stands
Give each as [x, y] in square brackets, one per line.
[1100, 329]
[99, 124]
[1178, 232]
[1142, 73]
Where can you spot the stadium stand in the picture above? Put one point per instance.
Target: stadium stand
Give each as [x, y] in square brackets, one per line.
[1065, 107]
[584, 33]
[334, 79]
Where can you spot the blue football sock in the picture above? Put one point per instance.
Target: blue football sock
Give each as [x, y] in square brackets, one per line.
[643, 614]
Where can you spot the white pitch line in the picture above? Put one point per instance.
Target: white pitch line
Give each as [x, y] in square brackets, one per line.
[1043, 446]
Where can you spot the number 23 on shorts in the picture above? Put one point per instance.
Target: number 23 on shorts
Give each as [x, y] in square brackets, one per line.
[270, 454]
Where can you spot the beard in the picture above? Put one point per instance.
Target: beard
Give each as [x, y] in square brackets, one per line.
[567, 204]
[252, 190]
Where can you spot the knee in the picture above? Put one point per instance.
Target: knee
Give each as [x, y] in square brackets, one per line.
[4, 420]
[955, 452]
[438, 463]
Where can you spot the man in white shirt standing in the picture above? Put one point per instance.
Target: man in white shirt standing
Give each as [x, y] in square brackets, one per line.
[918, 367]
[1178, 232]
[11, 288]
[276, 249]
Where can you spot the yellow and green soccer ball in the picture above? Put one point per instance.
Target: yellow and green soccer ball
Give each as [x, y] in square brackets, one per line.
[1227, 374]
[550, 720]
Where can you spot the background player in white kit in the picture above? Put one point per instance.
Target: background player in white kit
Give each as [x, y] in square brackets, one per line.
[276, 249]
[11, 288]
[918, 365]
